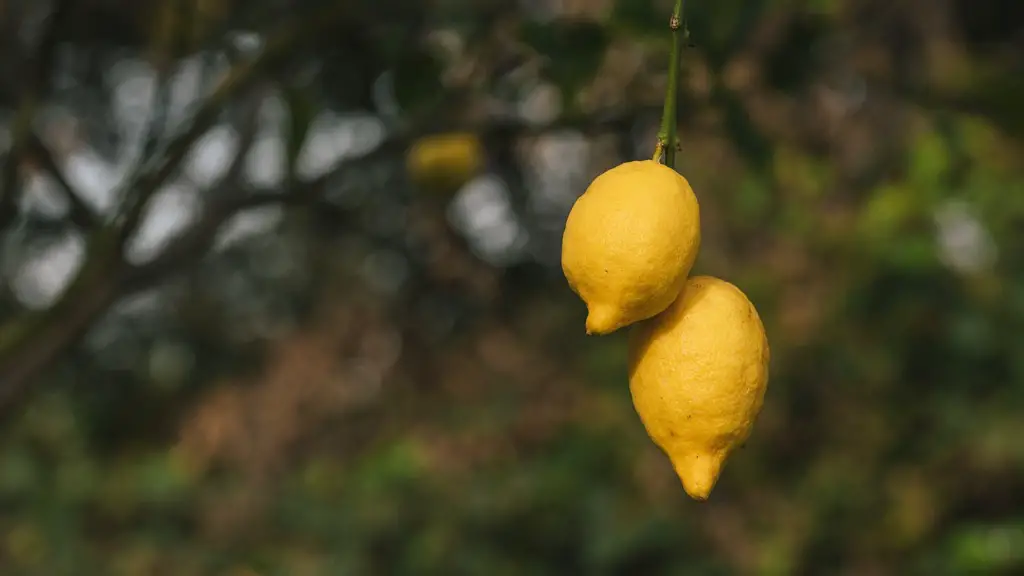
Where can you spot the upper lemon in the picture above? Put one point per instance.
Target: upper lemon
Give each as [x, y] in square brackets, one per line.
[630, 242]
[698, 374]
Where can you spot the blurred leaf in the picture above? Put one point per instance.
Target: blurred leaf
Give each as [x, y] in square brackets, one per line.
[888, 210]
[19, 472]
[607, 360]
[748, 139]
[752, 200]
[988, 549]
[574, 51]
[802, 177]
[792, 62]
[930, 162]
[999, 94]
[417, 81]
[719, 29]
[640, 18]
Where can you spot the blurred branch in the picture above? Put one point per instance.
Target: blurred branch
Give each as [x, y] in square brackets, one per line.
[247, 133]
[31, 342]
[197, 239]
[167, 26]
[201, 235]
[154, 172]
[80, 213]
[38, 73]
[160, 106]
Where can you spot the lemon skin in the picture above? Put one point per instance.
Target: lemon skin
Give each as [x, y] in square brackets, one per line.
[629, 242]
[698, 373]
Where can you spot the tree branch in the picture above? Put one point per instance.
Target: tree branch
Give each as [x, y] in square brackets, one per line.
[80, 213]
[30, 344]
[39, 73]
[153, 173]
[197, 239]
[201, 235]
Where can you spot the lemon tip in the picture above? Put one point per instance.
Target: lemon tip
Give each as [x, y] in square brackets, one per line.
[699, 474]
[601, 321]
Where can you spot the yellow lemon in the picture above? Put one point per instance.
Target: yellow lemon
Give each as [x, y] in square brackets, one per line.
[629, 243]
[444, 162]
[698, 374]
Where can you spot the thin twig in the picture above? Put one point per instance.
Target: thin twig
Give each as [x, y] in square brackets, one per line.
[159, 108]
[162, 58]
[152, 174]
[39, 73]
[224, 206]
[80, 213]
[248, 131]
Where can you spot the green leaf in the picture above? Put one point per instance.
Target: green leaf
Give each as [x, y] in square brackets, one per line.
[752, 201]
[721, 28]
[641, 18]
[754, 146]
[988, 548]
[574, 51]
[930, 161]
[417, 80]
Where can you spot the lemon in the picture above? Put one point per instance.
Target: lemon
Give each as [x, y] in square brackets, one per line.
[629, 243]
[444, 162]
[698, 374]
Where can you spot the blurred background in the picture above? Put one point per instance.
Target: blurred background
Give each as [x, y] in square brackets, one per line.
[281, 290]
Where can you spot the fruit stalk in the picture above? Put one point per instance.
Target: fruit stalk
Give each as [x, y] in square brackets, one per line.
[667, 139]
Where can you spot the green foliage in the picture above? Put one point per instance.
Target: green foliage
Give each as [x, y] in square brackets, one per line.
[417, 81]
[572, 51]
[640, 19]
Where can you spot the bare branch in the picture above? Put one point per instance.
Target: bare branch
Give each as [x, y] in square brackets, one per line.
[39, 73]
[30, 343]
[141, 188]
[80, 213]
[160, 105]
[197, 239]
[247, 133]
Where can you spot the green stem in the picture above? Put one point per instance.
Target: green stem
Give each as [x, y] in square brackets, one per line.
[667, 139]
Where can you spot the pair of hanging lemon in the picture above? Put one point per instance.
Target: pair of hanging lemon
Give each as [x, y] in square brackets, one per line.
[698, 354]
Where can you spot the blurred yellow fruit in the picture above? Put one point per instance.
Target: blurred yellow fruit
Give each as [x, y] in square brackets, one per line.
[698, 374]
[445, 162]
[629, 243]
